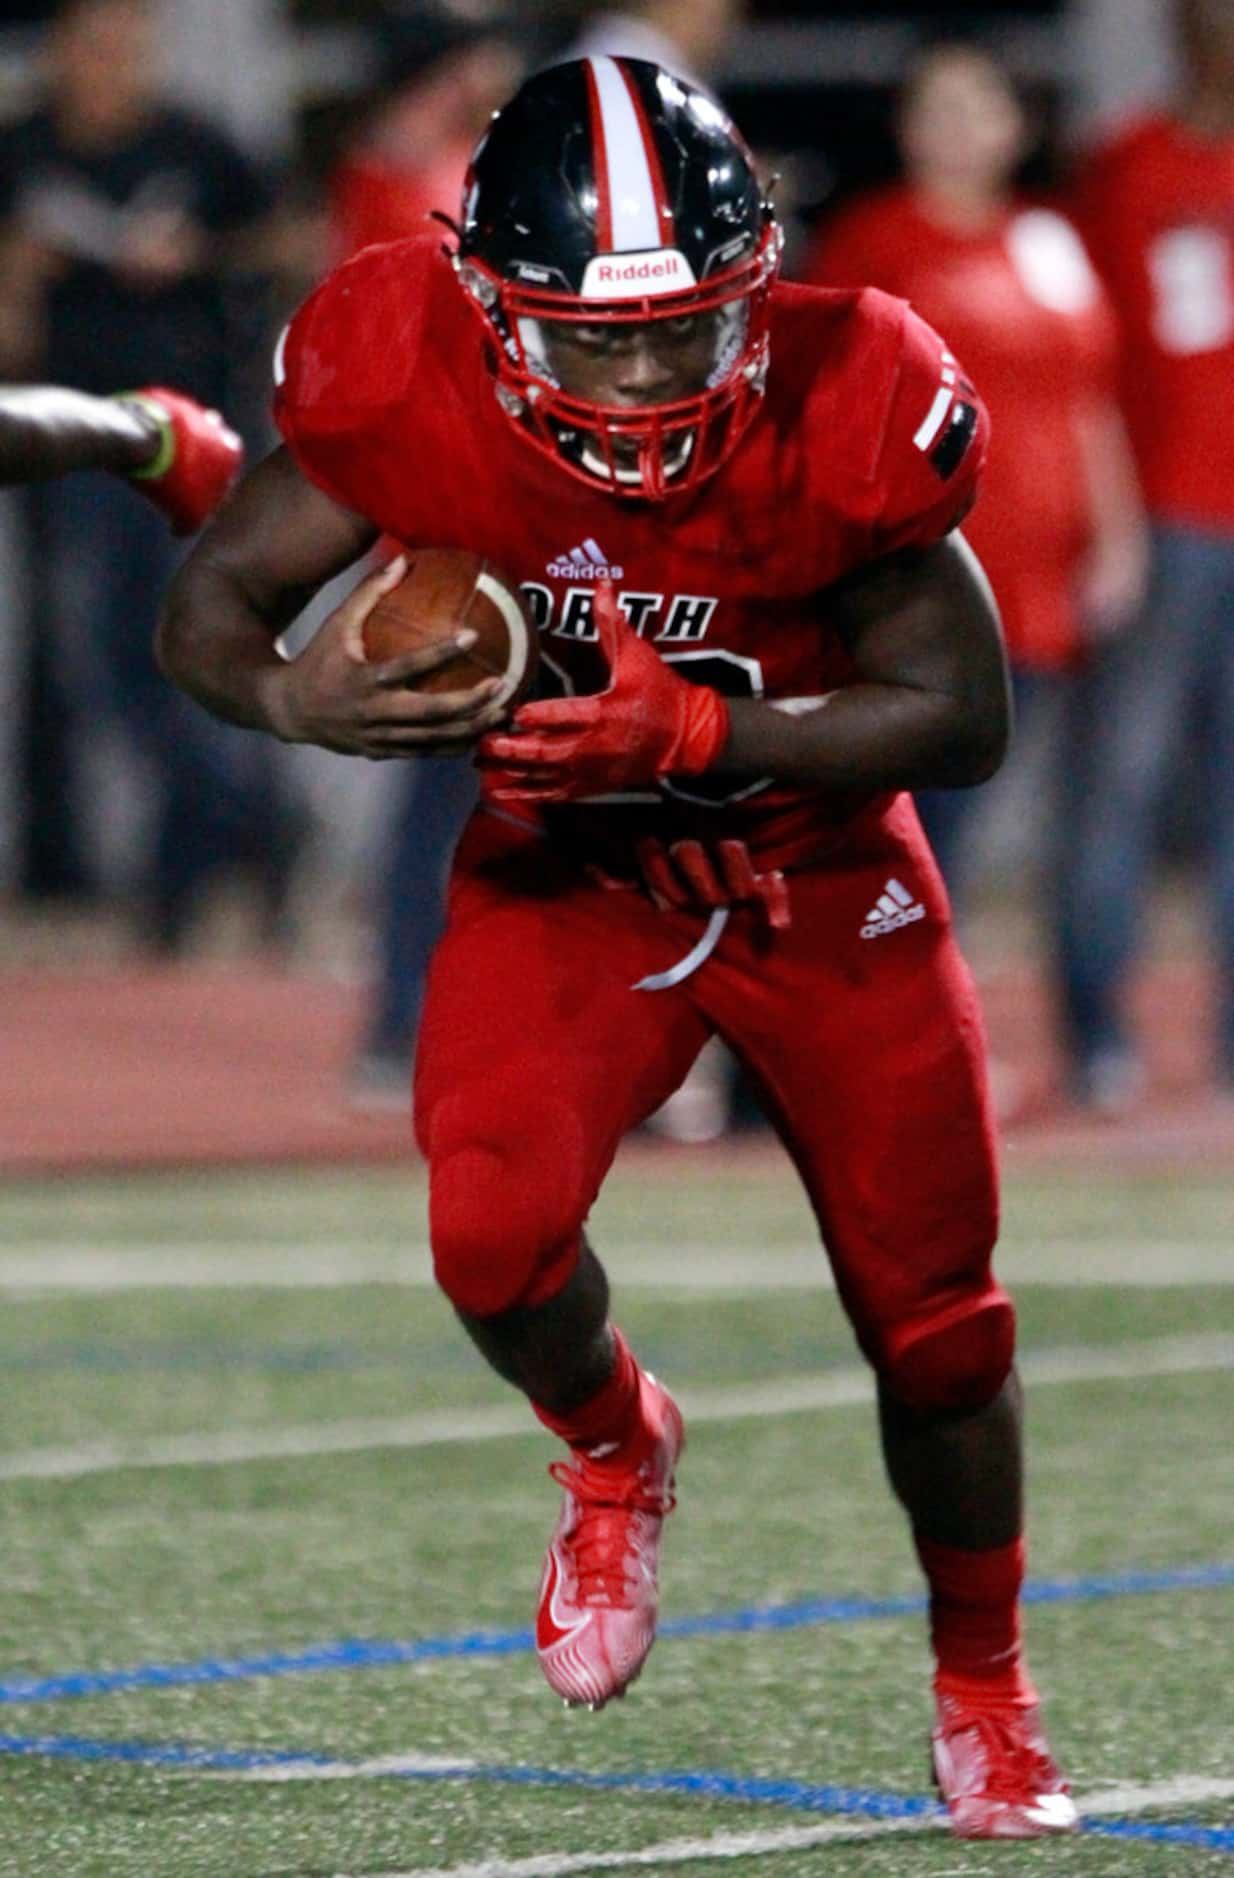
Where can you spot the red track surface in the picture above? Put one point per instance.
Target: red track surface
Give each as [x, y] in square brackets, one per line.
[215, 1063]
[223, 1063]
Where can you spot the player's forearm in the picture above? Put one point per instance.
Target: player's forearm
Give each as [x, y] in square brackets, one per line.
[869, 736]
[47, 431]
[218, 645]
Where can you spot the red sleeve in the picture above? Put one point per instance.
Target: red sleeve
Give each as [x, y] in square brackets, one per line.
[934, 443]
[348, 356]
[1077, 298]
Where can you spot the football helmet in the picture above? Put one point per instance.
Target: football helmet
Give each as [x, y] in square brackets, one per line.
[610, 194]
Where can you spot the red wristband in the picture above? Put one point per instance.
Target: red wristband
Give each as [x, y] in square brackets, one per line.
[702, 734]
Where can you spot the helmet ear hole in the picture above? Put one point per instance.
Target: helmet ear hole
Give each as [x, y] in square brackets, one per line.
[609, 191]
[482, 288]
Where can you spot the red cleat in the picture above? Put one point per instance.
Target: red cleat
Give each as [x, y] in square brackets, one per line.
[996, 1773]
[599, 1595]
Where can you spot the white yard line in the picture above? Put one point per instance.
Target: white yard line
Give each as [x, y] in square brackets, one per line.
[308, 1769]
[673, 1851]
[787, 1395]
[1188, 1790]
[83, 1271]
[708, 1268]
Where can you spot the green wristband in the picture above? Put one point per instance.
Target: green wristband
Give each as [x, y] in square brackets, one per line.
[165, 455]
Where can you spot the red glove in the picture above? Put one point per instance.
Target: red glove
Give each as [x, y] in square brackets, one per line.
[648, 723]
[196, 461]
[720, 873]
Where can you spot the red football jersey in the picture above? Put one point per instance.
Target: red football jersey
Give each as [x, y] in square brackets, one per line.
[1023, 307]
[869, 439]
[1156, 205]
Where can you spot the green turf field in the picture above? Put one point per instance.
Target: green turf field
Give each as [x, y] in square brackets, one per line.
[271, 1536]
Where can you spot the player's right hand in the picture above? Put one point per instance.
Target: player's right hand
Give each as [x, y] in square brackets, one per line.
[331, 694]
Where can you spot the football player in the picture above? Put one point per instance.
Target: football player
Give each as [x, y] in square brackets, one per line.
[179, 454]
[732, 506]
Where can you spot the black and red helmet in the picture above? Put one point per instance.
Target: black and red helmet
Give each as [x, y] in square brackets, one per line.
[608, 190]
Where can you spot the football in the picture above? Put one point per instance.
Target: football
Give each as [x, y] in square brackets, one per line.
[443, 590]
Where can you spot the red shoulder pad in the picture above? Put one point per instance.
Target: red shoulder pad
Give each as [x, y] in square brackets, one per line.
[350, 358]
[352, 348]
[934, 442]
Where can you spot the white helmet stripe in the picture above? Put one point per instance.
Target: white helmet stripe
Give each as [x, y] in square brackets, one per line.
[631, 211]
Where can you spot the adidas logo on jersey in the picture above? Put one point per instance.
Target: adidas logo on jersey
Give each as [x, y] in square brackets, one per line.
[896, 907]
[586, 563]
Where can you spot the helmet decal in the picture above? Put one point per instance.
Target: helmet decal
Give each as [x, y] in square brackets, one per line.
[633, 211]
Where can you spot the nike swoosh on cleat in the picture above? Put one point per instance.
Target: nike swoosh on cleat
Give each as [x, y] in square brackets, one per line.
[550, 1629]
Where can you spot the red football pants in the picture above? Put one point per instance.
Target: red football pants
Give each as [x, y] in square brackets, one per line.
[536, 1055]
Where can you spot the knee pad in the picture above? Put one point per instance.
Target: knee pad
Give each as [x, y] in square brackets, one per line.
[506, 1198]
[955, 1361]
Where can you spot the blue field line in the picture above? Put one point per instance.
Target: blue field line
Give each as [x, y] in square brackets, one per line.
[152, 1753]
[376, 1653]
[791, 1795]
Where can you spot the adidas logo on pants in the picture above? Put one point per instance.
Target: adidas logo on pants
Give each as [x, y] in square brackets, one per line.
[896, 907]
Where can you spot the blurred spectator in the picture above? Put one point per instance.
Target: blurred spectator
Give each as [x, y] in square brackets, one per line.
[1157, 207]
[1059, 525]
[443, 74]
[122, 218]
[684, 36]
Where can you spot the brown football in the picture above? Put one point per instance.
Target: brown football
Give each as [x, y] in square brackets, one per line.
[443, 590]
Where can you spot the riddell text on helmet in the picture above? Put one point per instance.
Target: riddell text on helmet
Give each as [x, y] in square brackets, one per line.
[662, 270]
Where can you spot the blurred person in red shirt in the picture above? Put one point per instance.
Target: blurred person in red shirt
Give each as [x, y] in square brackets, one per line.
[442, 76]
[1156, 205]
[1059, 528]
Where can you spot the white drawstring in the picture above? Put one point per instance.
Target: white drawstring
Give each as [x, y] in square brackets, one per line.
[678, 973]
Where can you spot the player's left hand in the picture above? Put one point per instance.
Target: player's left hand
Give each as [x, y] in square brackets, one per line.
[196, 462]
[648, 723]
[705, 875]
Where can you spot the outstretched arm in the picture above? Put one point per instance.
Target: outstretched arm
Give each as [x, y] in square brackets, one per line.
[177, 453]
